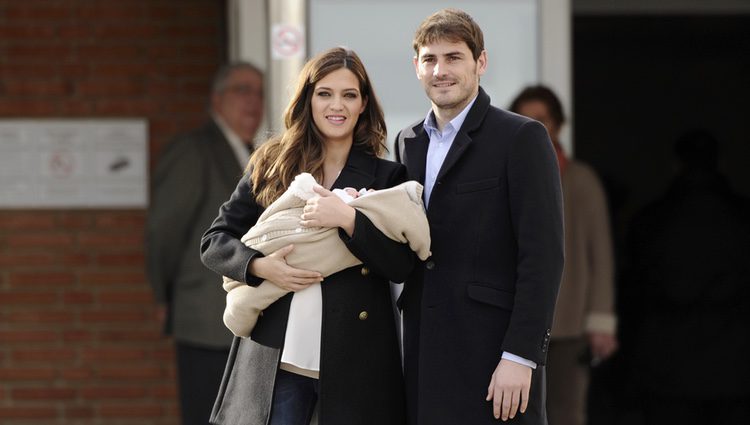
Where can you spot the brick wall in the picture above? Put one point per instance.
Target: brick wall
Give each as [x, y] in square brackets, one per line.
[78, 340]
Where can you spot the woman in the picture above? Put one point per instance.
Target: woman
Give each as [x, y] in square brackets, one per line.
[333, 343]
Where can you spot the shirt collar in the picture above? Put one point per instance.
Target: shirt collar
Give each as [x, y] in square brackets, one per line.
[430, 123]
[240, 149]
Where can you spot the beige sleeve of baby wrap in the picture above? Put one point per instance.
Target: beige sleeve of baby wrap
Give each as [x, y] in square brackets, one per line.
[398, 212]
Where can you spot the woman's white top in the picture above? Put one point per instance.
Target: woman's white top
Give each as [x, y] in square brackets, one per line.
[302, 340]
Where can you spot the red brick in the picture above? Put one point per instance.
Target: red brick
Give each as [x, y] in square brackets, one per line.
[108, 316]
[18, 11]
[130, 32]
[27, 31]
[164, 354]
[77, 336]
[119, 260]
[42, 279]
[112, 11]
[180, 106]
[11, 298]
[135, 69]
[28, 70]
[130, 373]
[78, 297]
[42, 316]
[75, 107]
[119, 392]
[187, 32]
[73, 70]
[131, 410]
[74, 31]
[51, 394]
[165, 391]
[26, 221]
[111, 240]
[121, 221]
[25, 260]
[8, 337]
[195, 69]
[78, 412]
[112, 278]
[10, 107]
[26, 374]
[39, 50]
[195, 88]
[75, 259]
[28, 412]
[163, 52]
[165, 88]
[110, 354]
[40, 240]
[37, 88]
[205, 51]
[119, 53]
[137, 298]
[131, 336]
[109, 87]
[44, 355]
[127, 106]
[75, 220]
[76, 374]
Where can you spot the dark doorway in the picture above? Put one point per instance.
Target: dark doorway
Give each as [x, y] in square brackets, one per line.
[640, 82]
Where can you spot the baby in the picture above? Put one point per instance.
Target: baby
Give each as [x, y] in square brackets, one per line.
[398, 212]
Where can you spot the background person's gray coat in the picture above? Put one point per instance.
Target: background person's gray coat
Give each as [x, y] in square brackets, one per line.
[194, 176]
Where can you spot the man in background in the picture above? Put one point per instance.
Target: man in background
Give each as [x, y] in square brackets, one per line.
[194, 176]
[583, 331]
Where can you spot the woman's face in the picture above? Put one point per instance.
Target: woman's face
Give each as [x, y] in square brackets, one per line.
[336, 105]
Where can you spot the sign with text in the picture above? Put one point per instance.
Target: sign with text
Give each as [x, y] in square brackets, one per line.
[73, 163]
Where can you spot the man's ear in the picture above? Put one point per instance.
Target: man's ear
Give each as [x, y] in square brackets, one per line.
[415, 61]
[482, 63]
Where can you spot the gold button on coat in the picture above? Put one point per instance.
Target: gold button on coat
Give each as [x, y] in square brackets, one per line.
[363, 315]
[365, 271]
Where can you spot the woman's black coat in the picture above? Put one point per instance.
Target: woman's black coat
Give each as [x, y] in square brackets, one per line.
[360, 367]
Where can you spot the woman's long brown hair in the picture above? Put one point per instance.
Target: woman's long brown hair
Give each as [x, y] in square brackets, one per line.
[300, 148]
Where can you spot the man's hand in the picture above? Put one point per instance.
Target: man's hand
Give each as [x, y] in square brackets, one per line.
[602, 345]
[509, 389]
[328, 210]
[274, 269]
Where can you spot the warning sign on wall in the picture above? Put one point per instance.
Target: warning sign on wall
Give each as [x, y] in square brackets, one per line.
[73, 163]
[287, 41]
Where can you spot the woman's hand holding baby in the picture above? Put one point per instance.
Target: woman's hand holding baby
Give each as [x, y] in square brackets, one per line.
[328, 210]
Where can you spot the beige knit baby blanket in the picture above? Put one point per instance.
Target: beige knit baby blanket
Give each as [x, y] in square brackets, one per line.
[398, 212]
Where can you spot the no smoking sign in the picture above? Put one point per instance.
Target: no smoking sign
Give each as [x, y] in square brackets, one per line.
[287, 41]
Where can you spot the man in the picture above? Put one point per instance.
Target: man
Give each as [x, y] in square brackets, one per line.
[583, 331]
[478, 313]
[194, 176]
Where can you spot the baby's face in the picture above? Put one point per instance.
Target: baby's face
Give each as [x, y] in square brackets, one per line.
[351, 192]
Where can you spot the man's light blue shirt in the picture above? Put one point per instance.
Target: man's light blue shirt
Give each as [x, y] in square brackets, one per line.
[440, 144]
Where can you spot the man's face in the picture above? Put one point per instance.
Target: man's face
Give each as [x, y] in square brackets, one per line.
[537, 110]
[449, 73]
[240, 104]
